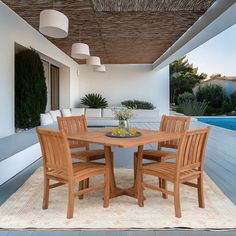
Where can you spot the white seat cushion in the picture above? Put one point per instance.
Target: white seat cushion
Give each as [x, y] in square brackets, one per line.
[107, 113]
[45, 119]
[93, 112]
[141, 113]
[66, 112]
[77, 111]
[55, 114]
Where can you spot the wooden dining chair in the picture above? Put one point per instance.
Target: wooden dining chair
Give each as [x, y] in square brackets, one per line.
[170, 124]
[77, 125]
[58, 166]
[189, 166]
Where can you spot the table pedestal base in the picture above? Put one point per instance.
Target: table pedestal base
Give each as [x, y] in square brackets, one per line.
[116, 191]
[120, 191]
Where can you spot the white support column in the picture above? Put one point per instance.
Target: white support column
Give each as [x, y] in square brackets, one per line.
[164, 96]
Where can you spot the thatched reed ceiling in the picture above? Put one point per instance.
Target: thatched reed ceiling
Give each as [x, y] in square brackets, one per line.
[119, 31]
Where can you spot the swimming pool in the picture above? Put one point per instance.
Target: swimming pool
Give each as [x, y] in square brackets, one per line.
[227, 123]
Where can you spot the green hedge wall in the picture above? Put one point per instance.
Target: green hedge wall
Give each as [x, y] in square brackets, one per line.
[30, 89]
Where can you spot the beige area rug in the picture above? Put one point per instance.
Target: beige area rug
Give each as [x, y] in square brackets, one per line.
[23, 209]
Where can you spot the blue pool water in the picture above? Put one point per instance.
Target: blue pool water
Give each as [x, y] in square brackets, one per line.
[228, 123]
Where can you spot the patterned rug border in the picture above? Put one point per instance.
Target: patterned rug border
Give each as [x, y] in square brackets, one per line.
[120, 228]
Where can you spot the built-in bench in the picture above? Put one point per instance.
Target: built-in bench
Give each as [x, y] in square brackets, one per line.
[99, 117]
[17, 151]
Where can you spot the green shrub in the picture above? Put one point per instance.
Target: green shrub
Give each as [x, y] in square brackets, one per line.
[233, 101]
[185, 97]
[192, 108]
[136, 104]
[211, 111]
[30, 89]
[94, 100]
[213, 94]
[229, 104]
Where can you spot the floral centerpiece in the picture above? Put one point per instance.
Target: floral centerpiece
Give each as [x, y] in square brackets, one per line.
[123, 114]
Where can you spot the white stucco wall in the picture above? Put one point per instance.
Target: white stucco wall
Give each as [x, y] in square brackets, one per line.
[121, 82]
[228, 86]
[14, 29]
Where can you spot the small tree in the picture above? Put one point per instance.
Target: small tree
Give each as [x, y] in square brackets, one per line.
[183, 78]
[30, 89]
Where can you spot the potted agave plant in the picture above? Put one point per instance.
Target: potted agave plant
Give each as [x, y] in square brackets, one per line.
[123, 114]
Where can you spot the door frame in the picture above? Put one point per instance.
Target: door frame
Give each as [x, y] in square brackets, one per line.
[56, 67]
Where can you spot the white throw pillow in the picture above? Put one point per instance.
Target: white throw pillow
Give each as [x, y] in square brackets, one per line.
[77, 111]
[107, 113]
[141, 113]
[66, 112]
[55, 114]
[45, 119]
[93, 112]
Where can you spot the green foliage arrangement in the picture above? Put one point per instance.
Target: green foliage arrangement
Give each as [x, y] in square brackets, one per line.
[136, 104]
[211, 93]
[94, 100]
[186, 97]
[233, 101]
[183, 78]
[192, 108]
[30, 89]
[230, 104]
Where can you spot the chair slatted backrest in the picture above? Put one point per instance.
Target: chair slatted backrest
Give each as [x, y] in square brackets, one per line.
[191, 152]
[173, 124]
[73, 125]
[55, 150]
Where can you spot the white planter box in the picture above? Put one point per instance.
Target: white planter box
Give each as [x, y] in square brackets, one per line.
[140, 113]
[93, 113]
[77, 111]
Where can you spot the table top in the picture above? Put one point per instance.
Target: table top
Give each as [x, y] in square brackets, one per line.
[147, 137]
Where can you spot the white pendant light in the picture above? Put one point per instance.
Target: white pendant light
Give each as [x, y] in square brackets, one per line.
[93, 61]
[100, 68]
[80, 51]
[53, 23]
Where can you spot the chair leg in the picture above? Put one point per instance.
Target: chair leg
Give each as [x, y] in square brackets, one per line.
[81, 187]
[86, 183]
[112, 166]
[177, 200]
[71, 198]
[163, 186]
[135, 169]
[139, 187]
[140, 194]
[201, 201]
[46, 193]
[162, 182]
[106, 197]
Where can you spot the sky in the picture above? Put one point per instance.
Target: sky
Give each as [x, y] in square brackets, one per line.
[216, 56]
